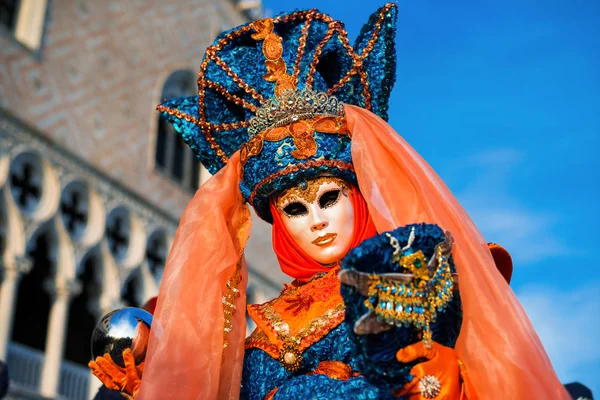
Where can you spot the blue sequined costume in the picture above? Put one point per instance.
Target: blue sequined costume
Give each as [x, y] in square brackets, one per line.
[373, 356]
[262, 373]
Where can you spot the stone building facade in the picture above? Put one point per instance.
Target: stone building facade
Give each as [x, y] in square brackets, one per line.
[92, 182]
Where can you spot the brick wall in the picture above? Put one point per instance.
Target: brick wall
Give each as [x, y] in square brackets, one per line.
[94, 89]
[102, 67]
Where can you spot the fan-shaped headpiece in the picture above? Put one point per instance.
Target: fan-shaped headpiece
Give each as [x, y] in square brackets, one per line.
[275, 89]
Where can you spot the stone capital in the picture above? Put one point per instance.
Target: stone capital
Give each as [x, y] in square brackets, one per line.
[63, 289]
[15, 267]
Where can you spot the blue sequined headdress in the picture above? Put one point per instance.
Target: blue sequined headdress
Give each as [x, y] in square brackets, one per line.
[275, 89]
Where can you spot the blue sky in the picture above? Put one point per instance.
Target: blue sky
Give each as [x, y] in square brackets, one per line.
[503, 100]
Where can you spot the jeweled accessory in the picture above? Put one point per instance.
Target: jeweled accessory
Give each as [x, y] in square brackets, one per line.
[229, 299]
[293, 106]
[417, 297]
[290, 358]
[429, 386]
[274, 89]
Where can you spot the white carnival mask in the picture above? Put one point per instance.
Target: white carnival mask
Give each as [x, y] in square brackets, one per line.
[319, 215]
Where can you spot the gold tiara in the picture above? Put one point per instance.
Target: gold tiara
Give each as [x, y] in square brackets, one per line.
[293, 106]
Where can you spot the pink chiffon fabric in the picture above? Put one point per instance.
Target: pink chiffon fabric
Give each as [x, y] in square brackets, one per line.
[185, 358]
[503, 355]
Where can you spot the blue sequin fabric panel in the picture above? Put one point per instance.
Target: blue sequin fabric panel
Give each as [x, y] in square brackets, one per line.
[262, 373]
[276, 156]
[380, 64]
[376, 354]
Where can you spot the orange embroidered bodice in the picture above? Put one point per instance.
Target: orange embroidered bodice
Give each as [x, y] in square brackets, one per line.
[299, 317]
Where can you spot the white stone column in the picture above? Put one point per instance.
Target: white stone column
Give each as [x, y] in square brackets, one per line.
[61, 292]
[11, 272]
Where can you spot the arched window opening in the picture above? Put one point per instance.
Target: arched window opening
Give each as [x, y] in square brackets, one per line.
[33, 299]
[84, 312]
[8, 13]
[132, 291]
[118, 231]
[156, 254]
[173, 158]
[25, 20]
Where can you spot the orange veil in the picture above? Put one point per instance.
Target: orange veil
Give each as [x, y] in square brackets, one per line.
[185, 359]
[503, 354]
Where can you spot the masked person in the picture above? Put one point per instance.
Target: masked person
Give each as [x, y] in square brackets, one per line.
[395, 292]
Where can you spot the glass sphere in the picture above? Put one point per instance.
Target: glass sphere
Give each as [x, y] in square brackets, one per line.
[120, 329]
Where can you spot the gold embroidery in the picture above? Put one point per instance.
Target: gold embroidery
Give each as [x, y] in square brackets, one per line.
[302, 134]
[340, 165]
[273, 49]
[308, 192]
[231, 294]
[285, 335]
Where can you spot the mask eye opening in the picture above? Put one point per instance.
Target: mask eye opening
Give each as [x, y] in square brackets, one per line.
[329, 198]
[295, 209]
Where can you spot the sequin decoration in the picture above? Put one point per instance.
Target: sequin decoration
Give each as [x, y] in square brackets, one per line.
[232, 292]
[249, 65]
[273, 50]
[264, 374]
[301, 133]
[307, 191]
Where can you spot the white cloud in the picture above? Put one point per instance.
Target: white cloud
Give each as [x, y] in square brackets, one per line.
[500, 215]
[567, 324]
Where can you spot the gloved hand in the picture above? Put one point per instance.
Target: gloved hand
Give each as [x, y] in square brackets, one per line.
[438, 377]
[114, 377]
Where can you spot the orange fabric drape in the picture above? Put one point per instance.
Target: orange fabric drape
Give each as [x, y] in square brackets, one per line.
[295, 262]
[185, 357]
[185, 360]
[497, 343]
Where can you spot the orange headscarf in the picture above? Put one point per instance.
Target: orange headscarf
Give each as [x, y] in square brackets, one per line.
[295, 262]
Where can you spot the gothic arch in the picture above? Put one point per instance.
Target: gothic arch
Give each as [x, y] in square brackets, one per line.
[85, 308]
[126, 237]
[47, 268]
[33, 297]
[132, 289]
